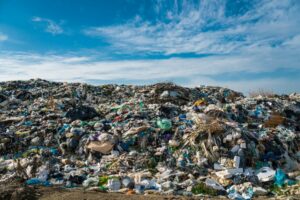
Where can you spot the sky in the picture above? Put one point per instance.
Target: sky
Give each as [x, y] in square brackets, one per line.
[245, 45]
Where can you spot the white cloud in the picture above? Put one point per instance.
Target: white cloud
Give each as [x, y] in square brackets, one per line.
[204, 27]
[262, 38]
[194, 71]
[50, 25]
[294, 42]
[276, 85]
[3, 37]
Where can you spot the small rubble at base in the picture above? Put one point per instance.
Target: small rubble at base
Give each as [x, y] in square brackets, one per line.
[15, 191]
[154, 139]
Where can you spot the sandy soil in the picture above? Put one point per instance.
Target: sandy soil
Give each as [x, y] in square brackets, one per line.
[79, 194]
[19, 192]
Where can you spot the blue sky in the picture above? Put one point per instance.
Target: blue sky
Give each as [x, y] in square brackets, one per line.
[241, 44]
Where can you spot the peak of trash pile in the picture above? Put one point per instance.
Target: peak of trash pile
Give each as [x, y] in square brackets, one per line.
[161, 138]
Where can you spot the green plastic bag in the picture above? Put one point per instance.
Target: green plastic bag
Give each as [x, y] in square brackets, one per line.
[103, 180]
[164, 124]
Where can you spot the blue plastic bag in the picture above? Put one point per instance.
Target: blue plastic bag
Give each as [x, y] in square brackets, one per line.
[280, 177]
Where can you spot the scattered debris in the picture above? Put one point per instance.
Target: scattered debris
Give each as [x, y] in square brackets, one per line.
[160, 138]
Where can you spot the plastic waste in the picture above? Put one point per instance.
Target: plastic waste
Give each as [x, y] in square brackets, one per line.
[164, 124]
[211, 183]
[266, 174]
[36, 181]
[280, 177]
[90, 181]
[102, 147]
[152, 139]
[113, 184]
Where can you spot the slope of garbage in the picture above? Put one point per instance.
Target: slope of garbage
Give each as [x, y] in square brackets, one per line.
[154, 139]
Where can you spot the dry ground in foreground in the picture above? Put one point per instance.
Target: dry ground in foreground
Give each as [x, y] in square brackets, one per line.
[19, 192]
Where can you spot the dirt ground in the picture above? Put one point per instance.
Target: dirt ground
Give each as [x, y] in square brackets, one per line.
[79, 194]
[18, 192]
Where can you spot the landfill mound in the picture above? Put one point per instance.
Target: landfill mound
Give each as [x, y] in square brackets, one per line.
[154, 139]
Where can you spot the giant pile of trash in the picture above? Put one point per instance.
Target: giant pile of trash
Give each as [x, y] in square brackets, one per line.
[154, 139]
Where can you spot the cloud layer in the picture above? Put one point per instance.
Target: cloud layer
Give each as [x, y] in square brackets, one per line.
[205, 27]
[3, 37]
[188, 72]
[251, 46]
[50, 25]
